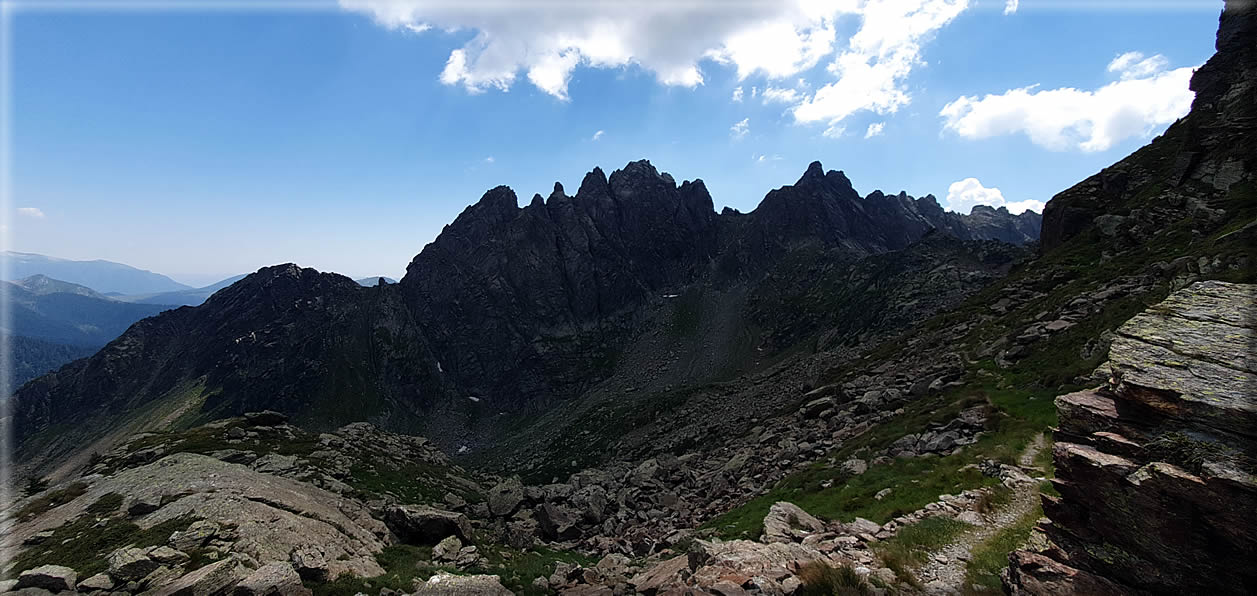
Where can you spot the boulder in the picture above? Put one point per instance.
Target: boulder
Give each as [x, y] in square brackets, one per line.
[101, 582]
[447, 550]
[661, 576]
[211, 580]
[444, 584]
[168, 556]
[557, 522]
[506, 497]
[787, 522]
[272, 579]
[54, 578]
[1032, 574]
[265, 418]
[130, 564]
[420, 524]
[197, 534]
[310, 563]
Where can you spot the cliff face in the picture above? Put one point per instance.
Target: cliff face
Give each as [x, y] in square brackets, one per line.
[1156, 470]
[1200, 170]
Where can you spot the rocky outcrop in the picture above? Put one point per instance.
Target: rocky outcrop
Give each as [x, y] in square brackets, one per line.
[270, 518]
[1156, 469]
[1198, 172]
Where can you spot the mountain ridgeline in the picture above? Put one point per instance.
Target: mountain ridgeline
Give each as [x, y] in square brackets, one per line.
[511, 310]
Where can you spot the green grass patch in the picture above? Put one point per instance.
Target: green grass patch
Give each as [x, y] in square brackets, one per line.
[50, 501]
[991, 557]
[821, 579]
[106, 505]
[83, 544]
[403, 564]
[1018, 413]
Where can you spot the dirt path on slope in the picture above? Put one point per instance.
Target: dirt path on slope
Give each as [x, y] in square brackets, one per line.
[944, 573]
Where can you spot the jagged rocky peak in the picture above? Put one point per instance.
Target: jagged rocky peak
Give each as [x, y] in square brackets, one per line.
[280, 283]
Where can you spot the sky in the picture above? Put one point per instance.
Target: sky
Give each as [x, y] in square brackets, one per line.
[215, 139]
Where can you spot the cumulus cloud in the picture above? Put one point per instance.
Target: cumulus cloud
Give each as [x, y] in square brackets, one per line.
[737, 94]
[874, 129]
[597, 135]
[546, 41]
[739, 129]
[963, 195]
[1145, 97]
[871, 72]
[32, 212]
[1010, 6]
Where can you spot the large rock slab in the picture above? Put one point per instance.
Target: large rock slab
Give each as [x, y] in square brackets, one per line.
[420, 524]
[54, 578]
[271, 516]
[1194, 356]
[787, 522]
[444, 584]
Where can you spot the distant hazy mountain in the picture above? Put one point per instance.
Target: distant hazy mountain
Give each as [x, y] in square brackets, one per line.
[189, 297]
[54, 322]
[373, 281]
[42, 285]
[71, 317]
[103, 276]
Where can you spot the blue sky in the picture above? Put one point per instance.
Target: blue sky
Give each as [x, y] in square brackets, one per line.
[204, 143]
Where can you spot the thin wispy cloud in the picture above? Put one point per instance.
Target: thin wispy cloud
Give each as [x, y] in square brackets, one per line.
[875, 129]
[737, 94]
[1010, 6]
[489, 159]
[739, 129]
[597, 135]
[31, 212]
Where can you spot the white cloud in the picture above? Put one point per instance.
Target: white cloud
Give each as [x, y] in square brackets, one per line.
[776, 40]
[875, 129]
[779, 95]
[737, 94]
[417, 27]
[1010, 6]
[1133, 65]
[739, 129]
[32, 212]
[597, 135]
[489, 159]
[883, 52]
[834, 131]
[761, 158]
[1145, 97]
[963, 195]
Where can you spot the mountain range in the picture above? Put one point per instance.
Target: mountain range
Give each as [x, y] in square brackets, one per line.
[510, 310]
[106, 277]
